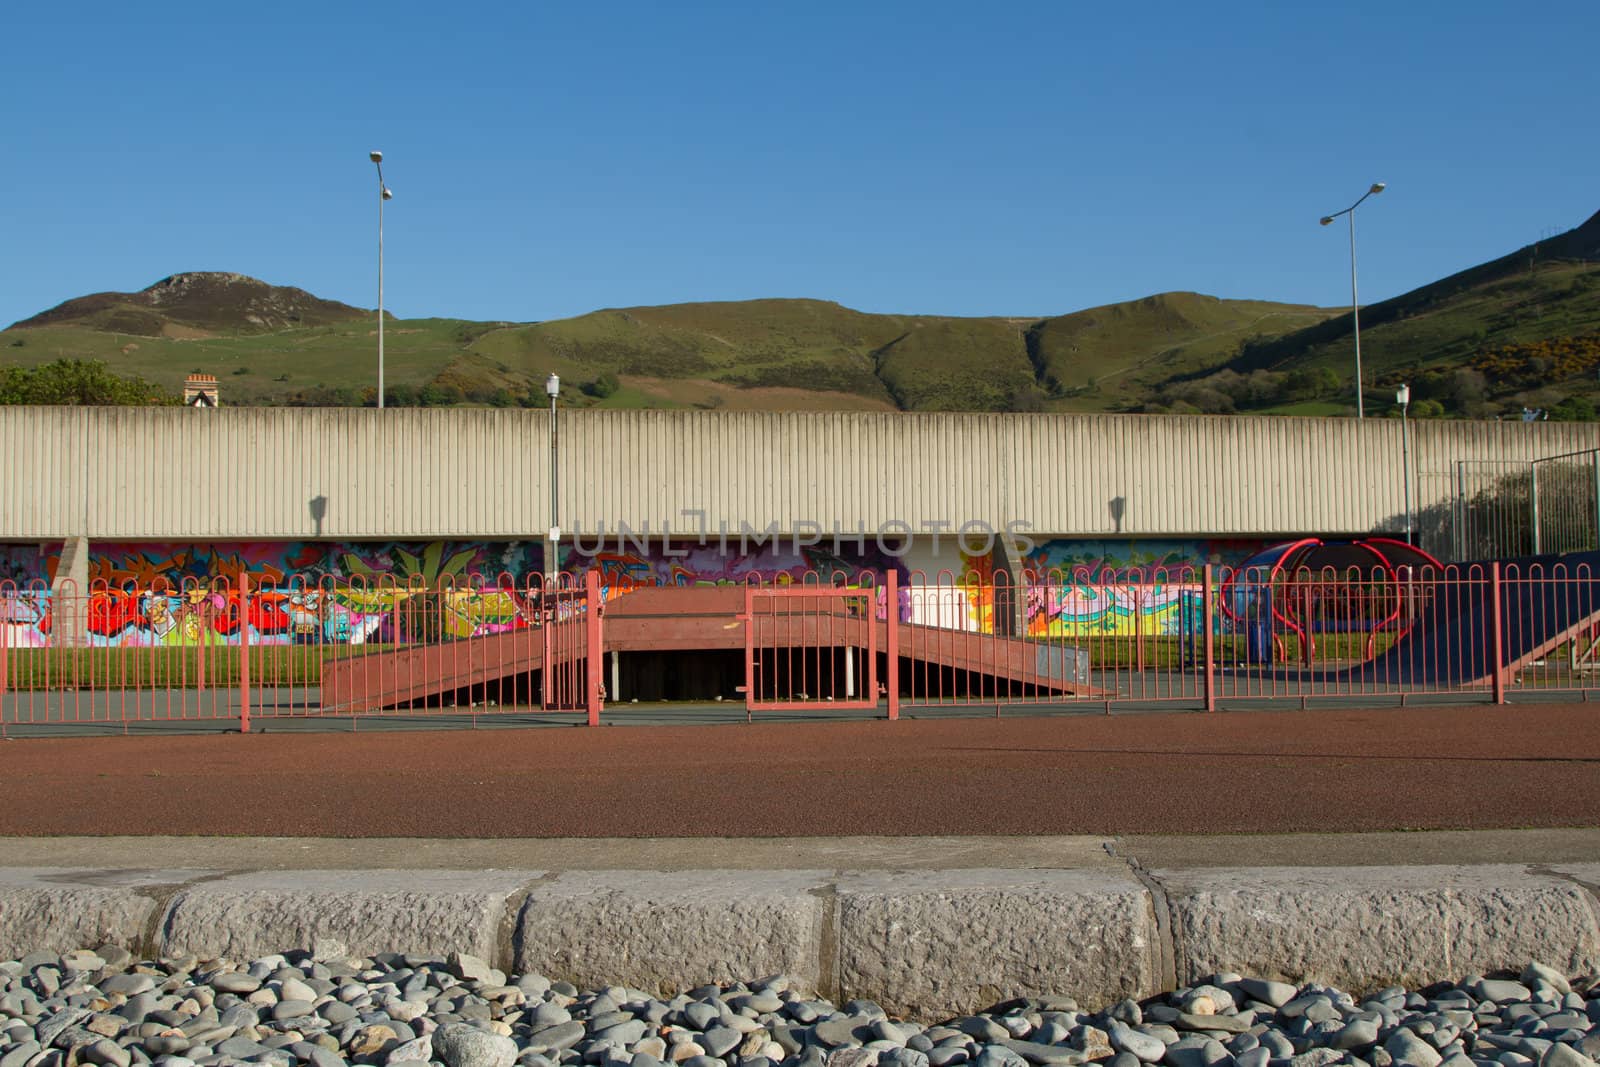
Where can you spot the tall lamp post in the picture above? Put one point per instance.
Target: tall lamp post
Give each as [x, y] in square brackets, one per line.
[383, 194]
[1402, 396]
[1355, 307]
[552, 388]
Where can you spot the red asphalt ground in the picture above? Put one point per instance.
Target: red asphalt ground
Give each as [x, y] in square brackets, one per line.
[1246, 772]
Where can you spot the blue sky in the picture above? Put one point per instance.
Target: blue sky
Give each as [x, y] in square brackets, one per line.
[549, 159]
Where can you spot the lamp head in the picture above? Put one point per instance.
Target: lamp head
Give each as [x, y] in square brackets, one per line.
[1402, 395]
[1377, 187]
[552, 386]
[1326, 219]
[388, 193]
[377, 157]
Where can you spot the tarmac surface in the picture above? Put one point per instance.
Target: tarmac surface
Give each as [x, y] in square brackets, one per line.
[1258, 772]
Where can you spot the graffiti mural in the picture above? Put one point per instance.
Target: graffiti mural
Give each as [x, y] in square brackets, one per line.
[27, 564]
[1121, 588]
[151, 594]
[1071, 556]
[693, 564]
[201, 616]
[277, 562]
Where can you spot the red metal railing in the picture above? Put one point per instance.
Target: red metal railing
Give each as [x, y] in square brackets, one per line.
[239, 650]
[810, 646]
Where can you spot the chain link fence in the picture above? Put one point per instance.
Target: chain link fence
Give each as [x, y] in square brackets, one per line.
[1506, 509]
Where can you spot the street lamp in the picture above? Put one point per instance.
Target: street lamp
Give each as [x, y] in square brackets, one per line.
[383, 194]
[1355, 308]
[1402, 396]
[552, 388]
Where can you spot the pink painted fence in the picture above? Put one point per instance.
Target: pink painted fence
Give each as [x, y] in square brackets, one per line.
[225, 651]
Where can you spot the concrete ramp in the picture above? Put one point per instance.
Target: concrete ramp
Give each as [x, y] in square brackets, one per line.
[1545, 601]
[692, 619]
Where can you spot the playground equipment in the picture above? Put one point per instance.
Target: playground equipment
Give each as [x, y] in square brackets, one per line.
[1296, 590]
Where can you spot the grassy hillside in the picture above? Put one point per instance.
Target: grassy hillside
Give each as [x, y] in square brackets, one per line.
[1520, 330]
[809, 345]
[769, 354]
[1110, 357]
[198, 304]
[256, 368]
[1523, 329]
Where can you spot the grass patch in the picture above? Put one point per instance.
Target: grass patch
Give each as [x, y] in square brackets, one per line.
[32, 669]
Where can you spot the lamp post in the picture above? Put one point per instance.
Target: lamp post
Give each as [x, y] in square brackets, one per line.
[1355, 307]
[552, 388]
[1402, 396]
[383, 194]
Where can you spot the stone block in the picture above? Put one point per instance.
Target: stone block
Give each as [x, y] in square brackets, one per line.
[419, 912]
[1362, 928]
[668, 931]
[942, 943]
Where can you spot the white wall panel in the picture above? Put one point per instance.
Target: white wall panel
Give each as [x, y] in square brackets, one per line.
[173, 473]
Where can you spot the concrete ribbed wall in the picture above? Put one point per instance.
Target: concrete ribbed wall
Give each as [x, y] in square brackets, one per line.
[255, 472]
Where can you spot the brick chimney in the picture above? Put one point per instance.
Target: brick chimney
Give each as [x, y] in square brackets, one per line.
[200, 391]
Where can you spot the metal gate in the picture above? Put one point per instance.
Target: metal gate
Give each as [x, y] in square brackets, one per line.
[810, 648]
[573, 646]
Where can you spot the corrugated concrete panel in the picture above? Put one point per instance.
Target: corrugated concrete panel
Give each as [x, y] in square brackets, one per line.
[157, 473]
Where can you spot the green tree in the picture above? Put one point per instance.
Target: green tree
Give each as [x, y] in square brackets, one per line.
[1574, 409]
[604, 386]
[440, 396]
[76, 381]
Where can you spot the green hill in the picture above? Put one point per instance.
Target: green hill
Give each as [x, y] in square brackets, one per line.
[271, 345]
[1112, 356]
[1519, 331]
[1523, 329]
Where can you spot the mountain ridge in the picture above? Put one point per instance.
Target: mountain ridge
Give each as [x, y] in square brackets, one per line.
[1520, 329]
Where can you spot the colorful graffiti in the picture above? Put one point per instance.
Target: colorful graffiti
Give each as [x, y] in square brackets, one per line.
[150, 594]
[1071, 556]
[201, 616]
[275, 562]
[26, 564]
[692, 564]
[1081, 609]
[1122, 588]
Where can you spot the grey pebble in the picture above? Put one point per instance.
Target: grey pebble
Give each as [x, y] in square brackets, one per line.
[557, 1038]
[1559, 1055]
[235, 982]
[720, 1040]
[464, 1045]
[1147, 1047]
[1408, 1048]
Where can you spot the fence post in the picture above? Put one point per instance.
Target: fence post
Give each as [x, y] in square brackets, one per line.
[244, 652]
[596, 642]
[1498, 643]
[1208, 621]
[1533, 502]
[891, 615]
[749, 618]
[1594, 464]
[5, 670]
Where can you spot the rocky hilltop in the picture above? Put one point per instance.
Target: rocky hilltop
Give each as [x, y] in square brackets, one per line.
[198, 303]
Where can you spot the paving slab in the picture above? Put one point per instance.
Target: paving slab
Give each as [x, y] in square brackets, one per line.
[568, 853]
[669, 931]
[940, 943]
[1408, 848]
[420, 912]
[1362, 928]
